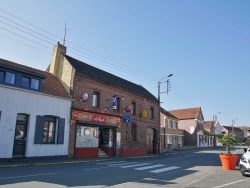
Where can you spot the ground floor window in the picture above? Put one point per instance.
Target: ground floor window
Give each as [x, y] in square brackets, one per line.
[87, 136]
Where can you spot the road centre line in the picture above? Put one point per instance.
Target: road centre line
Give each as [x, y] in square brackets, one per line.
[29, 176]
[111, 162]
[120, 164]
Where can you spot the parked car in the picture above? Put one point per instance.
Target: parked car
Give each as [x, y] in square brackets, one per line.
[245, 163]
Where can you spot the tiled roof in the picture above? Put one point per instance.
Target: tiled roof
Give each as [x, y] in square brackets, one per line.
[50, 84]
[207, 132]
[208, 124]
[166, 113]
[229, 128]
[109, 79]
[188, 113]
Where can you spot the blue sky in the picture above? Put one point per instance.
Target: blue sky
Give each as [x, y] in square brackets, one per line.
[204, 44]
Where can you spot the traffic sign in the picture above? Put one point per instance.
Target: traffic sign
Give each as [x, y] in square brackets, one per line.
[127, 118]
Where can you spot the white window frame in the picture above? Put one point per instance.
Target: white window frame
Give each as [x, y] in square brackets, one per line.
[170, 139]
[170, 123]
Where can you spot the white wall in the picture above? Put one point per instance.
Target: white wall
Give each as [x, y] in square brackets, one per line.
[13, 101]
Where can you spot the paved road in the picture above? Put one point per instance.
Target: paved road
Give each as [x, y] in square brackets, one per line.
[186, 169]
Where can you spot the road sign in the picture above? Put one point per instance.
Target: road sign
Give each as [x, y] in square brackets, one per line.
[127, 118]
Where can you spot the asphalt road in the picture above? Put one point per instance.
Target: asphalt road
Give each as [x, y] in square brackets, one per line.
[185, 169]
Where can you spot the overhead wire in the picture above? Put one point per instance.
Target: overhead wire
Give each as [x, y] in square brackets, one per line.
[85, 54]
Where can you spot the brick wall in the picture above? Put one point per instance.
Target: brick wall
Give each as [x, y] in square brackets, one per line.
[85, 85]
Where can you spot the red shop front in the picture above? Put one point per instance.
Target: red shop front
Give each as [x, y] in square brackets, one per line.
[95, 134]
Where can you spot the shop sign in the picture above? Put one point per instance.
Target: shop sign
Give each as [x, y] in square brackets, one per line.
[144, 114]
[91, 117]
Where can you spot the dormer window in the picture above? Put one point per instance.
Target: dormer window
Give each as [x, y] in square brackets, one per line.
[7, 77]
[30, 82]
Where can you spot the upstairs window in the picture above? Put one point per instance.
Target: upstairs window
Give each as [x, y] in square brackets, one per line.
[7, 77]
[151, 113]
[1, 76]
[118, 104]
[30, 82]
[169, 123]
[96, 99]
[174, 124]
[133, 110]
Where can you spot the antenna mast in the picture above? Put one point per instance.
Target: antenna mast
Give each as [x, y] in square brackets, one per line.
[64, 34]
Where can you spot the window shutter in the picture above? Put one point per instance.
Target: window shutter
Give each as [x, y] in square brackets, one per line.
[39, 130]
[61, 127]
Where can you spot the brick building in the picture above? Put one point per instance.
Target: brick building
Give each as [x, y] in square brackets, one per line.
[110, 115]
[171, 135]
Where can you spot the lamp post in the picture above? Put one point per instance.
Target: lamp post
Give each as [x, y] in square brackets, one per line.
[159, 111]
[233, 123]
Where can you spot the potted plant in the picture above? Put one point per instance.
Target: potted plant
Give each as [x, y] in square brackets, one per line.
[228, 159]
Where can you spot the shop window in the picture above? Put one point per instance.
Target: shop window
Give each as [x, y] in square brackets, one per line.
[49, 130]
[87, 136]
[134, 132]
[180, 139]
[96, 99]
[151, 113]
[133, 109]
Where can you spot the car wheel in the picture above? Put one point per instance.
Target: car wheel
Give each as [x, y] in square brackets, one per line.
[243, 170]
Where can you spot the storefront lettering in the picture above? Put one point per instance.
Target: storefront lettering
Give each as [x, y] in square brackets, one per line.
[97, 118]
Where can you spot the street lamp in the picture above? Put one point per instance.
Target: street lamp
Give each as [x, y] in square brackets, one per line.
[215, 117]
[233, 123]
[159, 106]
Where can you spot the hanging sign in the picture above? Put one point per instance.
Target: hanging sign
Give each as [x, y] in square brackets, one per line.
[85, 97]
[144, 114]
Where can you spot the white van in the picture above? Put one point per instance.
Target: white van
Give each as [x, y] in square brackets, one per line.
[245, 163]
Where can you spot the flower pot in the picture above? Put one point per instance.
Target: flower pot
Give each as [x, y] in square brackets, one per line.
[228, 161]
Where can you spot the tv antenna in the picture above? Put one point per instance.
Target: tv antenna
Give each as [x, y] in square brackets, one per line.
[64, 34]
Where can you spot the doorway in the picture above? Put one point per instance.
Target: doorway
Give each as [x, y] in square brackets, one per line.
[150, 140]
[20, 135]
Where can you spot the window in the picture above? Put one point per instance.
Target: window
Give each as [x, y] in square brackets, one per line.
[30, 83]
[25, 82]
[169, 123]
[151, 113]
[133, 110]
[174, 124]
[134, 132]
[169, 139]
[95, 102]
[49, 129]
[118, 104]
[34, 83]
[180, 139]
[10, 78]
[1, 76]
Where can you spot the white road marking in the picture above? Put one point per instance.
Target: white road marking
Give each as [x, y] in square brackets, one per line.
[134, 165]
[111, 162]
[120, 164]
[28, 176]
[148, 167]
[165, 169]
[228, 184]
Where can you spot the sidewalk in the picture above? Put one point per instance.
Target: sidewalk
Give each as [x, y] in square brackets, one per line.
[23, 162]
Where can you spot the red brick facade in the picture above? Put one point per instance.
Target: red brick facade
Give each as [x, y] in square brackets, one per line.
[127, 146]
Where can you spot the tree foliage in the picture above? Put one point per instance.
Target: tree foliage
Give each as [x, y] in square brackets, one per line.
[227, 140]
